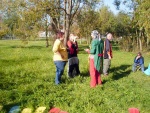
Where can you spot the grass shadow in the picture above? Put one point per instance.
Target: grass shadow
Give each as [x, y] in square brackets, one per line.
[85, 74]
[120, 71]
[29, 47]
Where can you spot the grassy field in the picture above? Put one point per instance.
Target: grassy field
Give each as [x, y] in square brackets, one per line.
[27, 80]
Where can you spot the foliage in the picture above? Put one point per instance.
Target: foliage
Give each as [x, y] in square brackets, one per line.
[4, 31]
[106, 20]
[24, 19]
[142, 15]
[87, 23]
[27, 80]
[140, 23]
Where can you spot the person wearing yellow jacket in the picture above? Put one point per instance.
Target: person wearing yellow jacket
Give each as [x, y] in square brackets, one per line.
[60, 56]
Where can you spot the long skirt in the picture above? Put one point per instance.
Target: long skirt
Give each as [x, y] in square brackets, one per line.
[94, 74]
[73, 67]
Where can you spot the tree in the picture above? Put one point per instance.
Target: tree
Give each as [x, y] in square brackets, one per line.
[124, 30]
[61, 12]
[87, 21]
[106, 20]
[9, 16]
[142, 18]
[140, 22]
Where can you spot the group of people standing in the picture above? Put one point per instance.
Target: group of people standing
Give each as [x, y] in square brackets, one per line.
[100, 55]
[63, 54]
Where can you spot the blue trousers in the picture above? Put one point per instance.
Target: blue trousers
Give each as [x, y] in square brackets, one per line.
[60, 66]
[135, 65]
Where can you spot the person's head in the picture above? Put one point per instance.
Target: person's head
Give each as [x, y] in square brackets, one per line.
[72, 37]
[60, 35]
[95, 34]
[109, 36]
[139, 54]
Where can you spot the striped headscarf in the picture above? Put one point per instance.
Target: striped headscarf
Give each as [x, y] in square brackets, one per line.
[95, 34]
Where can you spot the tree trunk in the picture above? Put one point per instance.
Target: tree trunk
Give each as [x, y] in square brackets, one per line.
[68, 6]
[137, 41]
[46, 32]
[64, 24]
[147, 42]
[140, 40]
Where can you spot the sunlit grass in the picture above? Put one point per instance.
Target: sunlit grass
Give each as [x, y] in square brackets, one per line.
[27, 79]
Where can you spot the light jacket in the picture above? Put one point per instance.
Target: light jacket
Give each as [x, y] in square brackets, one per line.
[60, 51]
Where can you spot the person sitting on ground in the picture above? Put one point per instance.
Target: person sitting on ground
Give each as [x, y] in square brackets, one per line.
[138, 61]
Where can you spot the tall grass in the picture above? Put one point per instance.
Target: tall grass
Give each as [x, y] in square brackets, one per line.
[27, 76]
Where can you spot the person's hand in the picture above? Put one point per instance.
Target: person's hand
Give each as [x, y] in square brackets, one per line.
[109, 57]
[77, 50]
[74, 43]
[138, 57]
[87, 50]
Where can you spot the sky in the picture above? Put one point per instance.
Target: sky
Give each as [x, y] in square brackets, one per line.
[112, 7]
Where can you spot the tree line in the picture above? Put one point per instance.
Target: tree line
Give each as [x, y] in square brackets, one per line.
[24, 19]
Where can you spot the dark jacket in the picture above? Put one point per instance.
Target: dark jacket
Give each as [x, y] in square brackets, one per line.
[107, 49]
[139, 61]
[72, 49]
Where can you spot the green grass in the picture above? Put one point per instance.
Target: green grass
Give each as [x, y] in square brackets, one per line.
[27, 76]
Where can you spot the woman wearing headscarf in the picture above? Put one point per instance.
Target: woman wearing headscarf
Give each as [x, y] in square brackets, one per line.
[96, 58]
[60, 56]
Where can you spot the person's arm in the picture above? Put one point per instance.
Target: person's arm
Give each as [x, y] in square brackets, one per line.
[93, 47]
[134, 59]
[138, 59]
[141, 60]
[107, 48]
[76, 45]
[70, 46]
[56, 46]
